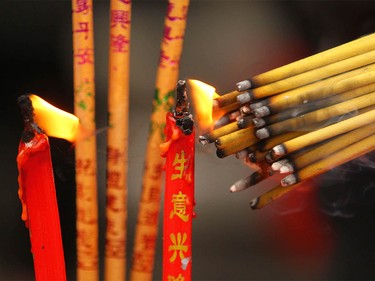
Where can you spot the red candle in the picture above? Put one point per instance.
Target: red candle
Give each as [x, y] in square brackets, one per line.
[179, 190]
[38, 197]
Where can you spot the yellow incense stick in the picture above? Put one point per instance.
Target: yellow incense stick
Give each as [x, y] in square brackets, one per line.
[242, 135]
[149, 206]
[315, 91]
[339, 53]
[226, 99]
[85, 150]
[336, 159]
[319, 115]
[117, 141]
[307, 77]
[327, 148]
[271, 195]
[315, 105]
[324, 133]
[224, 130]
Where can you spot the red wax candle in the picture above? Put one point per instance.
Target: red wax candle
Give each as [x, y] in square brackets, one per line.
[178, 199]
[39, 205]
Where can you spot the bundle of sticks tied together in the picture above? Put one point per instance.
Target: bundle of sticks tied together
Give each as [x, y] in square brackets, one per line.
[301, 119]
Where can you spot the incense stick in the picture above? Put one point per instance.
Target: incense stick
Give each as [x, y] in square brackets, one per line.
[320, 115]
[324, 133]
[296, 163]
[85, 150]
[271, 195]
[247, 182]
[117, 141]
[311, 106]
[307, 77]
[213, 135]
[336, 159]
[227, 99]
[341, 52]
[318, 90]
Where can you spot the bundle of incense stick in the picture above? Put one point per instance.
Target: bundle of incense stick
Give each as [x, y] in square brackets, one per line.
[301, 119]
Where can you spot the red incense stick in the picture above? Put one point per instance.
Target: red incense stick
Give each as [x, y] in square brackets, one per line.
[38, 197]
[179, 190]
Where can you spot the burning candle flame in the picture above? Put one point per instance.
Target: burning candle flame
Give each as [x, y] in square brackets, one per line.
[202, 96]
[54, 121]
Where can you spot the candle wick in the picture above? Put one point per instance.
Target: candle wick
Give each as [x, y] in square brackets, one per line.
[184, 119]
[27, 113]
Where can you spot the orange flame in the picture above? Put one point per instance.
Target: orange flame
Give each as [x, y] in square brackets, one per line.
[202, 97]
[53, 121]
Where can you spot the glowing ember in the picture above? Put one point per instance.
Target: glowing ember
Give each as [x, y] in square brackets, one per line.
[202, 95]
[53, 121]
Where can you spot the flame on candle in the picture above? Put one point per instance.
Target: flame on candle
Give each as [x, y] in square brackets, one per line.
[54, 121]
[202, 96]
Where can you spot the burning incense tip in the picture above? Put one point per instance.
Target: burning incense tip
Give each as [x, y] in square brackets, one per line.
[276, 166]
[286, 168]
[262, 111]
[262, 133]
[243, 85]
[289, 180]
[259, 122]
[245, 110]
[54, 122]
[278, 150]
[203, 140]
[242, 154]
[254, 203]
[245, 97]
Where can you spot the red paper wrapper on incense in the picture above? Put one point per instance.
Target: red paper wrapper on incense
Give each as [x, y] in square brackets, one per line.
[179, 190]
[38, 196]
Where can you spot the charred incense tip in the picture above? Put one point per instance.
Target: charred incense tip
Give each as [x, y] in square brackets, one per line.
[252, 157]
[203, 140]
[233, 188]
[276, 166]
[245, 110]
[220, 153]
[259, 122]
[242, 154]
[262, 133]
[222, 121]
[254, 203]
[262, 112]
[289, 180]
[243, 85]
[270, 157]
[244, 122]
[286, 168]
[245, 97]
[27, 112]
[279, 150]
[256, 105]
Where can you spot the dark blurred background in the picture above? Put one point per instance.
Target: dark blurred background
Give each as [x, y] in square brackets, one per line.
[323, 231]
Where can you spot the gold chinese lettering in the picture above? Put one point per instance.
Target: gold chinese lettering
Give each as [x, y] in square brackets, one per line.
[179, 206]
[179, 165]
[178, 248]
[178, 278]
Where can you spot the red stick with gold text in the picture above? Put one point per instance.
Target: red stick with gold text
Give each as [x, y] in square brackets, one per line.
[179, 189]
[38, 196]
